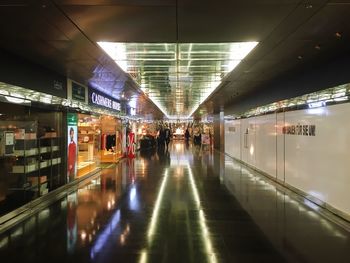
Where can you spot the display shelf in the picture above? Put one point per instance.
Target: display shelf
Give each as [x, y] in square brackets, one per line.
[20, 169]
[55, 148]
[45, 164]
[84, 164]
[85, 167]
[36, 183]
[48, 149]
[45, 149]
[36, 165]
[27, 188]
[27, 153]
[29, 168]
[56, 161]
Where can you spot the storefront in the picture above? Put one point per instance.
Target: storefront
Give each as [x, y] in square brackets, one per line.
[93, 138]
[111, 139]
[32, 147]
[48, 141]
[89, 144]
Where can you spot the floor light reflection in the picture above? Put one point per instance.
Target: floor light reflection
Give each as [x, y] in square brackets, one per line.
[202, 221]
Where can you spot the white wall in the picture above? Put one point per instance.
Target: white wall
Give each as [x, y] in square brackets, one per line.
[265, 144]
[248, 140]
[280, 147]
[233, 138]
[318, 165]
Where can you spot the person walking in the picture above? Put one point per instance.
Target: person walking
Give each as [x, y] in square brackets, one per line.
[167, 136]
[187, 135]
[161, 137]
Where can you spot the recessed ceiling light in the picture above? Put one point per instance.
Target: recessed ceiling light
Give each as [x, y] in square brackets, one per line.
[308, 6]
[318, 47]
[300, 57]
[338, 34]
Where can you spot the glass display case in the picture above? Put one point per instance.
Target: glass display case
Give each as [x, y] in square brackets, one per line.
[31, 155]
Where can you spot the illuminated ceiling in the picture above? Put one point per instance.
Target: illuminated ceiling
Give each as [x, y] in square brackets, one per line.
[178, 77]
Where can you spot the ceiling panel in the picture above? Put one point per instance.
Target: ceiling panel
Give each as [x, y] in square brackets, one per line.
[42, 33]
[125, 23]
[118, 2]
[323, 25]
[62, 35]
[234, 21]
[178, 77]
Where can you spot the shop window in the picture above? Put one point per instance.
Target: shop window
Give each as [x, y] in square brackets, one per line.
[31, 154]
[111, 139]
[89, 144]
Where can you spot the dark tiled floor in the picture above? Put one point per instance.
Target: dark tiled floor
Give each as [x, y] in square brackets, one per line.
[186, 205]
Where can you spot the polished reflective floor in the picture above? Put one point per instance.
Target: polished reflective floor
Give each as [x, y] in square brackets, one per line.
[187, 204]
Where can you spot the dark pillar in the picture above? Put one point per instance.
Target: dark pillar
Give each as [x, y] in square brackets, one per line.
[219, 131]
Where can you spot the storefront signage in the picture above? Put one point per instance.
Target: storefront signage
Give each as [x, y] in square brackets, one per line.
[72, 119]
[78, 92]
[305, 130]
[98, 99]
[57, 85]
[232, 129]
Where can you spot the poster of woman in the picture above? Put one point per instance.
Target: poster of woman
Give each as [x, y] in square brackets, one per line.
[72, 148]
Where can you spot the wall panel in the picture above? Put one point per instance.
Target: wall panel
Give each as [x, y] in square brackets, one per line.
[319, 165]
[280, 146]
[233, 138]
[265, 144]
[248, 140]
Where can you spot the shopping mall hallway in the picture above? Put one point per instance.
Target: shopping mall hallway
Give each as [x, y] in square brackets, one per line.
[188, 204]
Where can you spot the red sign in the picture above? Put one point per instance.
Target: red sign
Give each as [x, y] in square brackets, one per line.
[131, 145]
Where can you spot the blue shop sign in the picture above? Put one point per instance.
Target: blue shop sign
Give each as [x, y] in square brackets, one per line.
[100, 99]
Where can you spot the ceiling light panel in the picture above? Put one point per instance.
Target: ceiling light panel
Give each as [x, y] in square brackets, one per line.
[178, 77]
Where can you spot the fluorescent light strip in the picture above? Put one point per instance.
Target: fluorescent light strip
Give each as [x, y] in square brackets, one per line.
[238, 51]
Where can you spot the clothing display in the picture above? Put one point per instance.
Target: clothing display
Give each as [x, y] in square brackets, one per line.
[111, 142]
[108, 142]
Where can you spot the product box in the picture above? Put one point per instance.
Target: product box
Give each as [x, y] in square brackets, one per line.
[30, 136]
[44, 149]
[56, 161]
[35, 180]
[50, 134]
[43, 179]
[29, 152]
[24, 169]
[44, 164]
[43, 187]
[19, 134]
[55, 148]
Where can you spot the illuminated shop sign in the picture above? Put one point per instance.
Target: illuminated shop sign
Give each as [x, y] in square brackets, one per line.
[78, 92]
[305, 130]
[98, 99]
